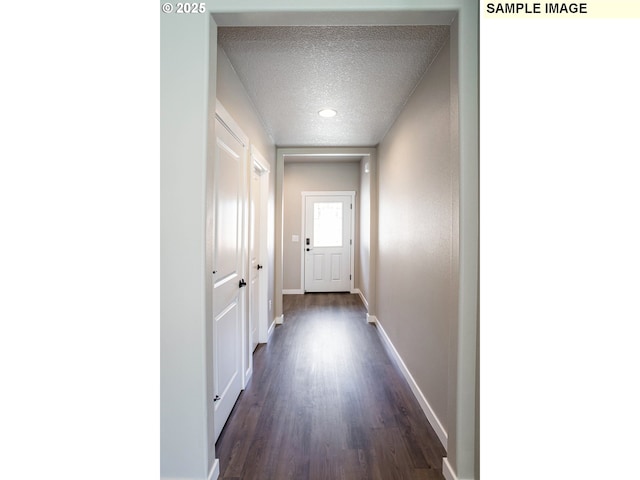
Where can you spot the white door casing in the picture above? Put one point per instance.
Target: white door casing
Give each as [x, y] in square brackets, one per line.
[230, 165]
[257, 248]
[254, 258]
[328, 238]
[262, 165]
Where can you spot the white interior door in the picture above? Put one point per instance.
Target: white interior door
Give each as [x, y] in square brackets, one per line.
[327, 246]
[228, 276]
[255, 268]
[261, 301]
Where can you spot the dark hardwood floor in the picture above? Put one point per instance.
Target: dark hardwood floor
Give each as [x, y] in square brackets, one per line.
[326, 402]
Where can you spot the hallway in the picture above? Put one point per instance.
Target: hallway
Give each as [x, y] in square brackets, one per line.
[326, 402]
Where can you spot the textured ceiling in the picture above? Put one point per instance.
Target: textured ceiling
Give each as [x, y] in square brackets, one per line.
[302, 158]
[366, 73]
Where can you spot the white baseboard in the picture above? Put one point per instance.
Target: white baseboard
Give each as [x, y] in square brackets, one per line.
[279, 320]
[247, 375]
[372, 319]
[422, 400]
[215, 471]
[364, 300]
[447, 471]
[293, 291]
[271, 329]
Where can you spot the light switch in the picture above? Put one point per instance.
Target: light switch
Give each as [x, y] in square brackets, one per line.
[295, 238]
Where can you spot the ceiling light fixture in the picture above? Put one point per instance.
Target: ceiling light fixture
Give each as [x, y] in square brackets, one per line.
[327, 113]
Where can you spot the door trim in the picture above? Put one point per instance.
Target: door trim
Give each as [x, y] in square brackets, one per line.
[350, 193]
[225, 117]
[260, 163]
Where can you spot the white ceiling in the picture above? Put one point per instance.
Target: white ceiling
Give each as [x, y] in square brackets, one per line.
[366, 73]
[310, 158]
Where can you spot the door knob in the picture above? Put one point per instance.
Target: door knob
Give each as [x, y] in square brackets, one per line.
[308, 249]
[259, 266]
[242, 283]
[217, 397]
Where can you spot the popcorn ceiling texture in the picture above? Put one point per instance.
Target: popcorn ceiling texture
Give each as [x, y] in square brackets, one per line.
[366, 73]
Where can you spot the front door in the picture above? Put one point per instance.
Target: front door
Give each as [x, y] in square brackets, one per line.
[228, 281]
[327, 245]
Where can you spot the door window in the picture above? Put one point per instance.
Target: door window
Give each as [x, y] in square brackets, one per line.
[327, 224]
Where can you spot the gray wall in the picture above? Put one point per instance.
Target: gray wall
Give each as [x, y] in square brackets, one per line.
[186, 91]
[416, 276]
[368, 223]
[363, 253]
[299, 177]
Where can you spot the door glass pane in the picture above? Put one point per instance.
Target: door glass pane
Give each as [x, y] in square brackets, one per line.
[327, 224]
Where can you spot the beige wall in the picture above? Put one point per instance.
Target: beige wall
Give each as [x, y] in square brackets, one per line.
[299, 177]
[417, 255]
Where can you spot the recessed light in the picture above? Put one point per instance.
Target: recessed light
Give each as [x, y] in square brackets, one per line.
[327, 113]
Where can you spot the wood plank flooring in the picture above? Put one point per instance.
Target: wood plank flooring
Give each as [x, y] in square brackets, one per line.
[326, 402]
